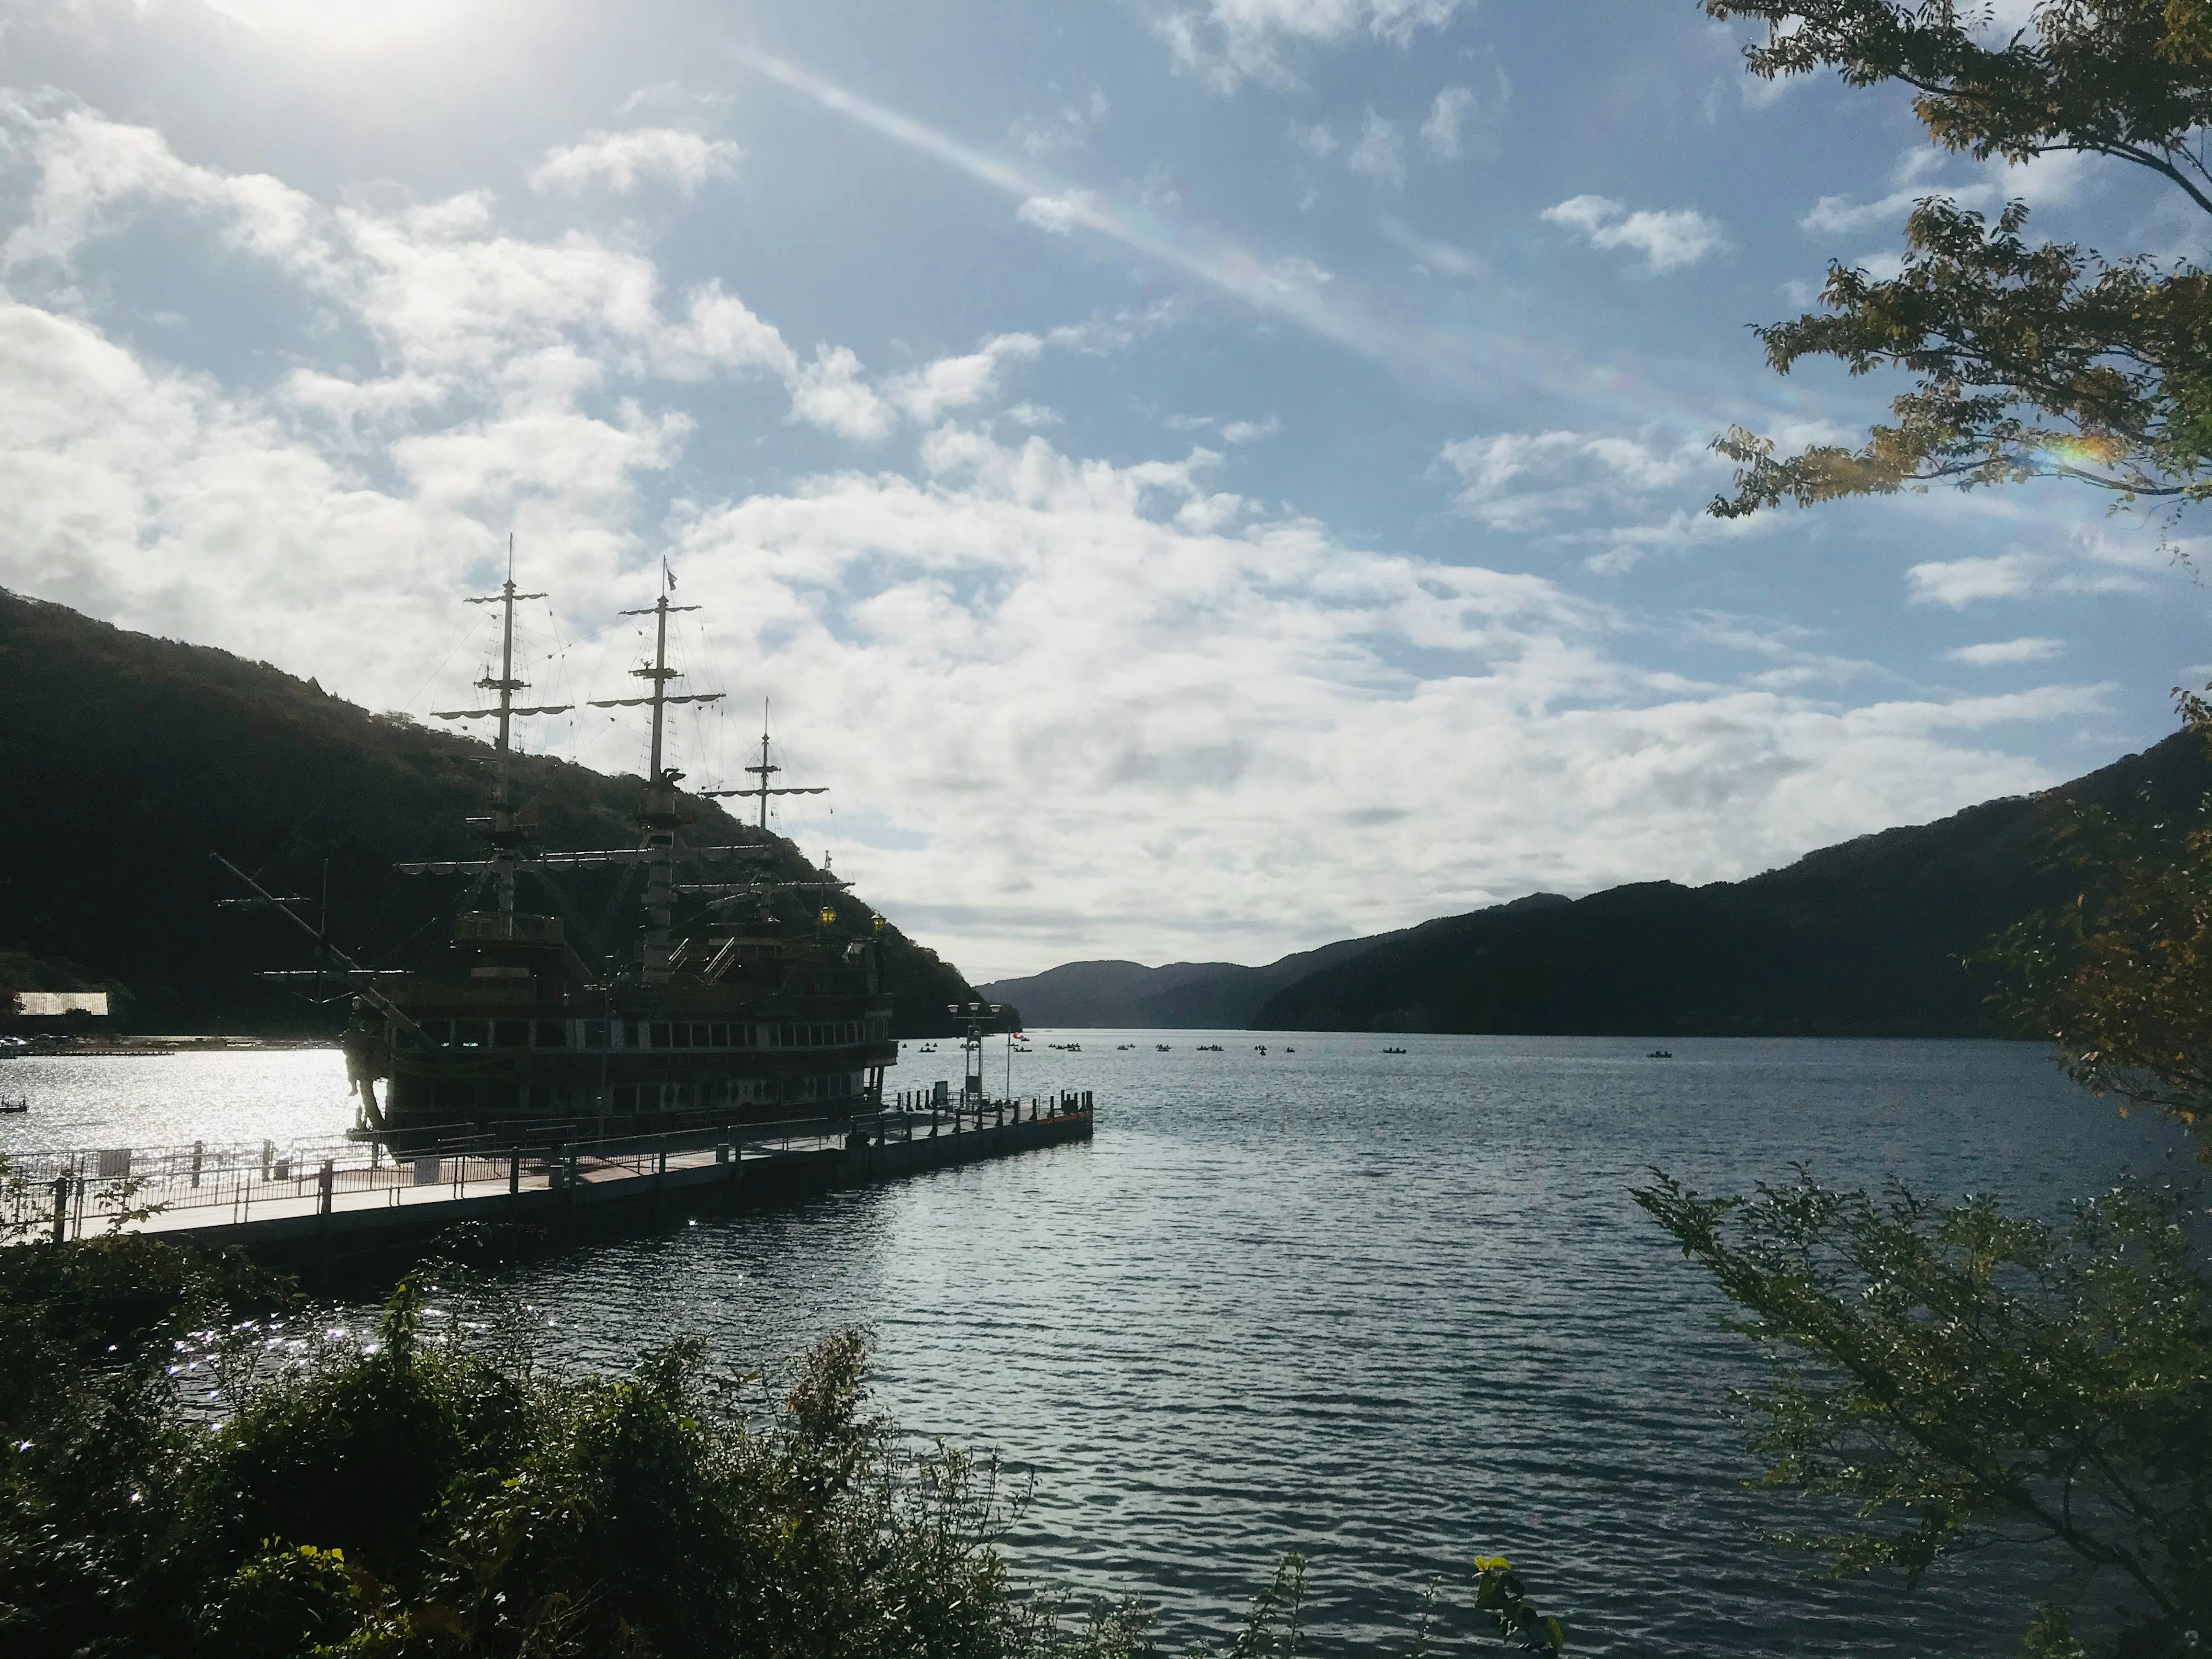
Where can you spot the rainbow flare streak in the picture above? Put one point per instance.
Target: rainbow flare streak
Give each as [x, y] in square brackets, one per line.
[1293, 289]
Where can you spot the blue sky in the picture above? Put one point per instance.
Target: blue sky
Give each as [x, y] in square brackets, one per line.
[1197, 478]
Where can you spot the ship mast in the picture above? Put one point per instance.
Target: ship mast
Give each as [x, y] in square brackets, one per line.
[764, 771]
[660, 817]
[503, 828]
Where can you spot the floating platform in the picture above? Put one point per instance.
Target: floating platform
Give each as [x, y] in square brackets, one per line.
[333, 1204]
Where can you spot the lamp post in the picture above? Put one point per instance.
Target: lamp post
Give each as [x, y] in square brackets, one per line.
[971, 1046]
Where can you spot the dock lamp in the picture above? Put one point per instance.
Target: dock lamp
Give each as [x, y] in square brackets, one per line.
[971, 1046]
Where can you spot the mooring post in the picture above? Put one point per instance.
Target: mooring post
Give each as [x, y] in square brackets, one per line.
[326, 1185]
[268, 1155]
[514, 1170]
[61, 1209]
[198, 1147]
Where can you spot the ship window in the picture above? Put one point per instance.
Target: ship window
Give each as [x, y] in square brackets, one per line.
[625, 1100]
[552, 1033]
[512, 1034]
[595, 1034]
[719, 1037]
[438, 1030]
[695, 1036]
[633, 1034]
[660, 1037]
[471, 1033]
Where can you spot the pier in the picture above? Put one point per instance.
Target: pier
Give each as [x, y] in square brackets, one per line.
[331, 1202]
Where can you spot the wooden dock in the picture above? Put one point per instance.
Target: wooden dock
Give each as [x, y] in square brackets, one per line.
[332, 1203]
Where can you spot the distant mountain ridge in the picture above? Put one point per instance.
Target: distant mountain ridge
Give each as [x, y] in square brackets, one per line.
[1179, 996]
[1862, 939]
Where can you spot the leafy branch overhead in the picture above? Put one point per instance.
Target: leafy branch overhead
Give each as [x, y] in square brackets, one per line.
[2029, 360]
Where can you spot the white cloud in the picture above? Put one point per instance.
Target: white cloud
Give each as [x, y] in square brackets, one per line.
[1315, 140]
[1250, 432]
[1057, 213]
[1669, 240]
[1923, 171]
[1523, 481]
[828, 392]
[1228, 42]
[619, 162]
[1447, 115]
[1069, 128]
[452, 301]
[1430, 253]
[1380, 153]
[1961, 582]
[89, 169]
[1997, 653]
[960, 382]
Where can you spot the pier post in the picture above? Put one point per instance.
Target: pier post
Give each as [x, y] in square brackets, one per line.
[514, 1171]
[61, 1209]
[326, 1186]
[198, 1148]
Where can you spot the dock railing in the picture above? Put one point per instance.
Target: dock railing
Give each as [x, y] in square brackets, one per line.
[62, 1194]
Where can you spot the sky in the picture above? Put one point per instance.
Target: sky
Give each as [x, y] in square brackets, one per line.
[1195, 479]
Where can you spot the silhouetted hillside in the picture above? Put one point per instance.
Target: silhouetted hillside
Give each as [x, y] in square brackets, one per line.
[128, 760]
[1183, 995]
[1862, 939]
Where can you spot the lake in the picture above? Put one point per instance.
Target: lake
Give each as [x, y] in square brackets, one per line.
[1388, 1310]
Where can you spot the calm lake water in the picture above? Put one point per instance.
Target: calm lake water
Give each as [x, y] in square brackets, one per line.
[1388, 1310]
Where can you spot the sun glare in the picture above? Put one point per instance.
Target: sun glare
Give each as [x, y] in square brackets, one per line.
[350, 25]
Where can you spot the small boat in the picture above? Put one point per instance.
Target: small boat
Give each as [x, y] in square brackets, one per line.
[9, 1107]
[1661, 1054]
[1162, 1047]
[1259, 1048]
[1394, 1051]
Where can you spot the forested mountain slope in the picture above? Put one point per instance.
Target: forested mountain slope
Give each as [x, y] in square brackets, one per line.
[1861, 939]
[127, 761]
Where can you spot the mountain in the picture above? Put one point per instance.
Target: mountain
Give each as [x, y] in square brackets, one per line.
[1860, 939]
[129, 761]
[1183, 995]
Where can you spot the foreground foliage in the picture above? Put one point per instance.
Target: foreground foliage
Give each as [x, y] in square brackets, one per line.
[2120, 976]
[1957, 1374]
[435, 1494]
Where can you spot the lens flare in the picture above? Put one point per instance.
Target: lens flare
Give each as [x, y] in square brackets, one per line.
[1290, 287]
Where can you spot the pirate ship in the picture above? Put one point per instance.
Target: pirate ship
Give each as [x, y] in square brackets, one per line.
[739, 1016]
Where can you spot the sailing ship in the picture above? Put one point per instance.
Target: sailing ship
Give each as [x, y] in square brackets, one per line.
[735, 1018]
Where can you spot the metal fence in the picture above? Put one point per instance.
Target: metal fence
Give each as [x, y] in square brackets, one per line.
[66, 1194]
